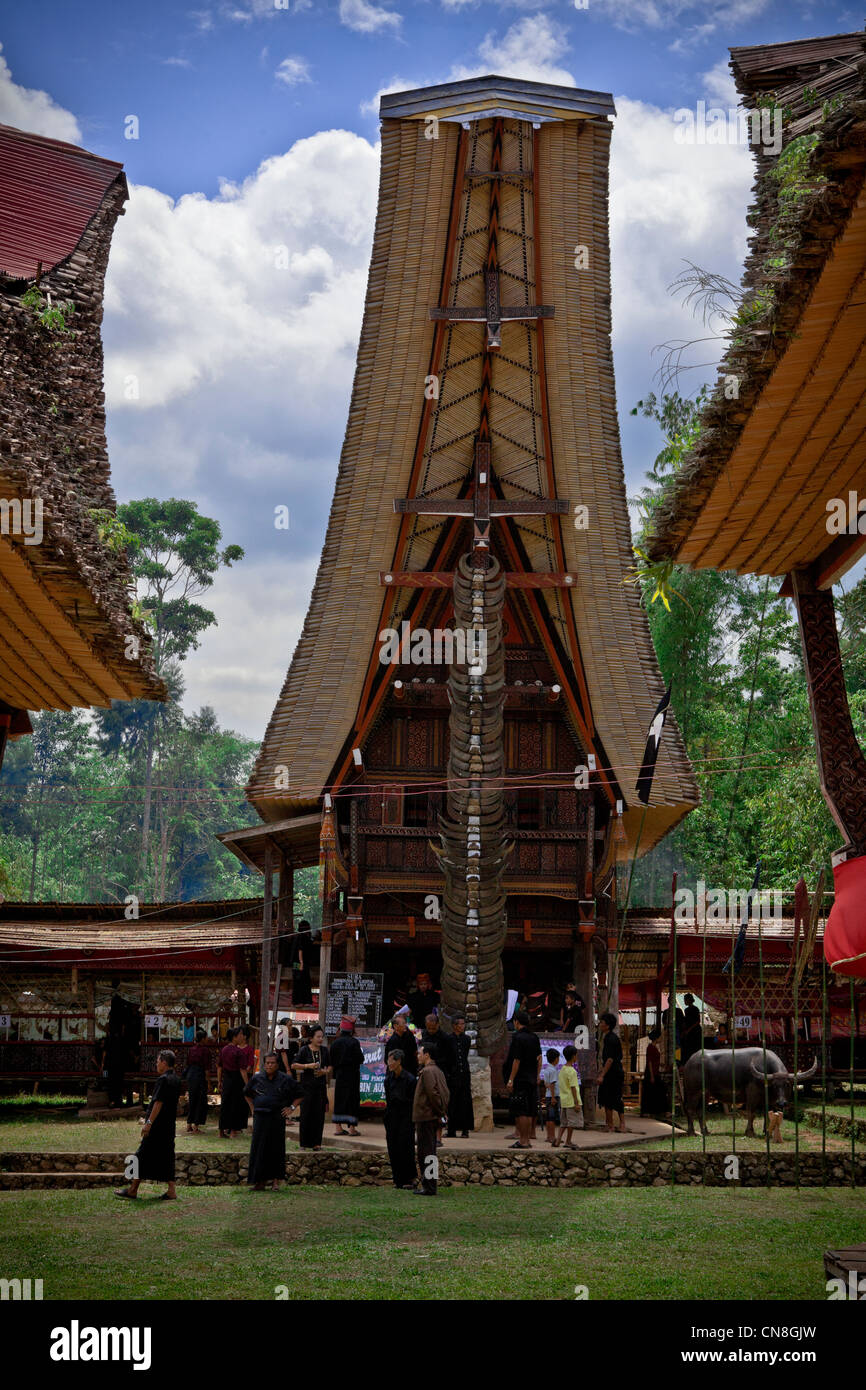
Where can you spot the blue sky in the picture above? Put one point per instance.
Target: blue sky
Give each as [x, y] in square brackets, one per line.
[257, 129]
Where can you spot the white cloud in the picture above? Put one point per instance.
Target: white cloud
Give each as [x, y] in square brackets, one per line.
[397, 84]
[241, 663]
[176, 63]
[28, 109]
[265, 9]
[669, 203]
[719, 84]
[503, 4]
[528, 49]
[293, 70]
[271, 268]
[368, 18]
[691, 17]
[244, 372]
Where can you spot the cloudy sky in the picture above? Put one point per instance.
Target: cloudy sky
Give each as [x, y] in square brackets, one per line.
[237, 275]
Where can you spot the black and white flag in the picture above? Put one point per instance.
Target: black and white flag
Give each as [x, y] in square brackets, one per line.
[644, 783]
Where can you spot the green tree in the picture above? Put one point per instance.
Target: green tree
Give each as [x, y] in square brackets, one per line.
[176, 554]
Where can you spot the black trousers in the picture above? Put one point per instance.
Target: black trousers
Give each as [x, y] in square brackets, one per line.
[426, 1133]
[399, 1137]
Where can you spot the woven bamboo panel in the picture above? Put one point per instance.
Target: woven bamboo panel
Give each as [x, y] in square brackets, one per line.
[622, 673]
[320, 697]
[804, 441]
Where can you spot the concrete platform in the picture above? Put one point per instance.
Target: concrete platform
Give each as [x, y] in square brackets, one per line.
[372, 1138]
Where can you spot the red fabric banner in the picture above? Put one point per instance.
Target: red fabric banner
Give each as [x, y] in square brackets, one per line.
[845, 935]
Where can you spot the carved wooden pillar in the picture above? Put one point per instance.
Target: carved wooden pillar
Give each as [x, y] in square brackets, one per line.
[841, 763]
[267, 945]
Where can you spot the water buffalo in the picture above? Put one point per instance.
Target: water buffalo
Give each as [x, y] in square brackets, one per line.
[738, 1076]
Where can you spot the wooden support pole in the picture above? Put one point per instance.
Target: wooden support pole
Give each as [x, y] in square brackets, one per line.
[582, 970]
[267, 946]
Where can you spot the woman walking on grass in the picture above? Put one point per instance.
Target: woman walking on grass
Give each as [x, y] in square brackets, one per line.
[154, 1158]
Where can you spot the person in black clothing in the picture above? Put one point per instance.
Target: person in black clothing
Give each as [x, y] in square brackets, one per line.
[441, 1048]
[196, 1078]
[347, 1058]
[690, 1038]
[287, 1045]
[270, 1095]
[611, 1078]
[116, 1046]
[572, 1011]
[460, 1113]
[523, 1069]
[299, 955]
[155, 1154]
[423, 998]
[399, 1129]
[313, 1063]
[405, 1040]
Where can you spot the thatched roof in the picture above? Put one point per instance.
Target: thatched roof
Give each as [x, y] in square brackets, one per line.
[752, 495]
[554, 434]
[67, 633]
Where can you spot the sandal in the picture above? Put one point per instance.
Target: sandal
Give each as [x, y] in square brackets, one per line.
[122, 1192]
[166, 1197]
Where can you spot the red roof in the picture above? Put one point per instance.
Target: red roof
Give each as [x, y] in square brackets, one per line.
[49, 192]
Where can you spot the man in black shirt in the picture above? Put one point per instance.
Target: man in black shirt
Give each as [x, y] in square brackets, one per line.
[422, 998]
[524, 1070]
[442, 1047]
[405, 1041]
[399, 1129]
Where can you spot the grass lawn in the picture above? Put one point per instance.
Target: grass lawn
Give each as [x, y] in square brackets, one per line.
[33, 1133]
[632, 1243]
[719, 1139]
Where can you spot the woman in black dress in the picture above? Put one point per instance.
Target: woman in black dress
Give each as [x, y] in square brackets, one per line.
[313, 1064]
[233, 1108]
[270, 1094]
[611, 1078]
[196, 1078]
[154, 1158]
[347, 1058]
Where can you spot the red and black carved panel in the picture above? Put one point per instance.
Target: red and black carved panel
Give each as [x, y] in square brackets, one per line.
[419, 755]
[840, 759]
[378, 750]
[529, 743]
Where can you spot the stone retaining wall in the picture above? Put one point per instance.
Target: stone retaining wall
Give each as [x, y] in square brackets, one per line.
[533, 1169]
[837, 1124]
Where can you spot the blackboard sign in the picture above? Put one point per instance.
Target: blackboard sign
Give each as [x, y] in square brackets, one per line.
[359, 996]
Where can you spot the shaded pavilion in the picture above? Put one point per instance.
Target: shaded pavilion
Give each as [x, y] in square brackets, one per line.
[777, 457]
[68, 634]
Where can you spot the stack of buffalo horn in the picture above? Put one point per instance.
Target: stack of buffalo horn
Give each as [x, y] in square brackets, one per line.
[472, 830]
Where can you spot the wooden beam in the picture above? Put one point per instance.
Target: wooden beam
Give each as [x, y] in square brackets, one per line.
[444, 579]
